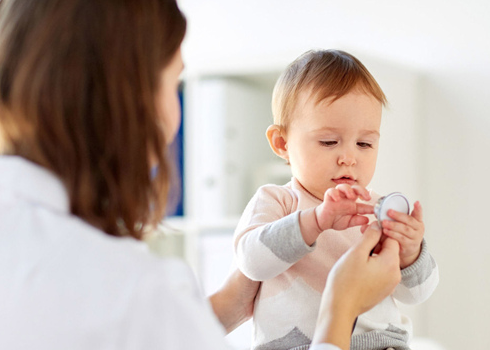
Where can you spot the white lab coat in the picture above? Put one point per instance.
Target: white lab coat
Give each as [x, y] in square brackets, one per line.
[66, 285]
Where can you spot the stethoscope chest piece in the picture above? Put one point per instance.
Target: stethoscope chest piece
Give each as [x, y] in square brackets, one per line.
[395, 201]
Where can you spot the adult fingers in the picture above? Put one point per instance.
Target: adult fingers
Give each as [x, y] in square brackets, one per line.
[369, 239]
[385, 267]
[390, 250]
[364, 228]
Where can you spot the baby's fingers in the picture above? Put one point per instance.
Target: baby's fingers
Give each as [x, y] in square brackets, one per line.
[340, 192]
[417, 213]
[358, 220]
[332, 194]
[347, 191]
[403, 239]
[399, 228]
[405, 219]
[362, 192]
[364, 208]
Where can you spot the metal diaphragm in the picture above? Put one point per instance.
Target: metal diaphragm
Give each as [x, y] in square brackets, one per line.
[395, 201]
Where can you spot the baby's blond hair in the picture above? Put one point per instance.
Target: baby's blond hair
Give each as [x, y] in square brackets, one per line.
[326, 73]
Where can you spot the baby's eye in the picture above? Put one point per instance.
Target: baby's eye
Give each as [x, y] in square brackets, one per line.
[328, 143]
[364, 145]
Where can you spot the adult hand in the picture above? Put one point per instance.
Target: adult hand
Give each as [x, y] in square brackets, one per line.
[356, 283]
[233, 303]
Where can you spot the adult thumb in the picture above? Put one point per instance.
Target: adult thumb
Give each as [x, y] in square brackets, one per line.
[390, 249]
[370, 238]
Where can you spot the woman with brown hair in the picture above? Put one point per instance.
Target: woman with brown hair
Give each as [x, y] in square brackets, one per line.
[88, 105]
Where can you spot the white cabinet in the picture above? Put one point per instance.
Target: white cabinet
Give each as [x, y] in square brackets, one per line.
[227, 154]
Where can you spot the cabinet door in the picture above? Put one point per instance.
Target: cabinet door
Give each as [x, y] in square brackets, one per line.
[227, 145]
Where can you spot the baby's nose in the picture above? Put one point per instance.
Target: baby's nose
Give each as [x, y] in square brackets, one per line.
[347, 158]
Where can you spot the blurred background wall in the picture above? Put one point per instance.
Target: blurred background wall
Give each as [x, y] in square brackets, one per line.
[433, 60]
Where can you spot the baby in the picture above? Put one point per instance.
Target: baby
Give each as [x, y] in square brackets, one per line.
[327, 115]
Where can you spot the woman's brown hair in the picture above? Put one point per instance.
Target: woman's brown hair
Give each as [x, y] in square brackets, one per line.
[324, 73]
[78, 83]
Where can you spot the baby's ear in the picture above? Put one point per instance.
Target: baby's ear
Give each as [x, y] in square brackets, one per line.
[277, 140]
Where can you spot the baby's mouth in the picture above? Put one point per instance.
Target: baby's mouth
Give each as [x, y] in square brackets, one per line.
[344, 180]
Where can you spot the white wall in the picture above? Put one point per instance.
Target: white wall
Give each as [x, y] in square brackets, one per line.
[446, 42]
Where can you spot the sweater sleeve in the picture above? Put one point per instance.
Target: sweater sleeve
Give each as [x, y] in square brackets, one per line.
[419, 280]
[268, 239]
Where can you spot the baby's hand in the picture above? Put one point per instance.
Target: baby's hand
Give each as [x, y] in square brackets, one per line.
[408, 230]
[340, 210]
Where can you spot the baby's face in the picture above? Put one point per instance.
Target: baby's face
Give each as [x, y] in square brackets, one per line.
[334, 143]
